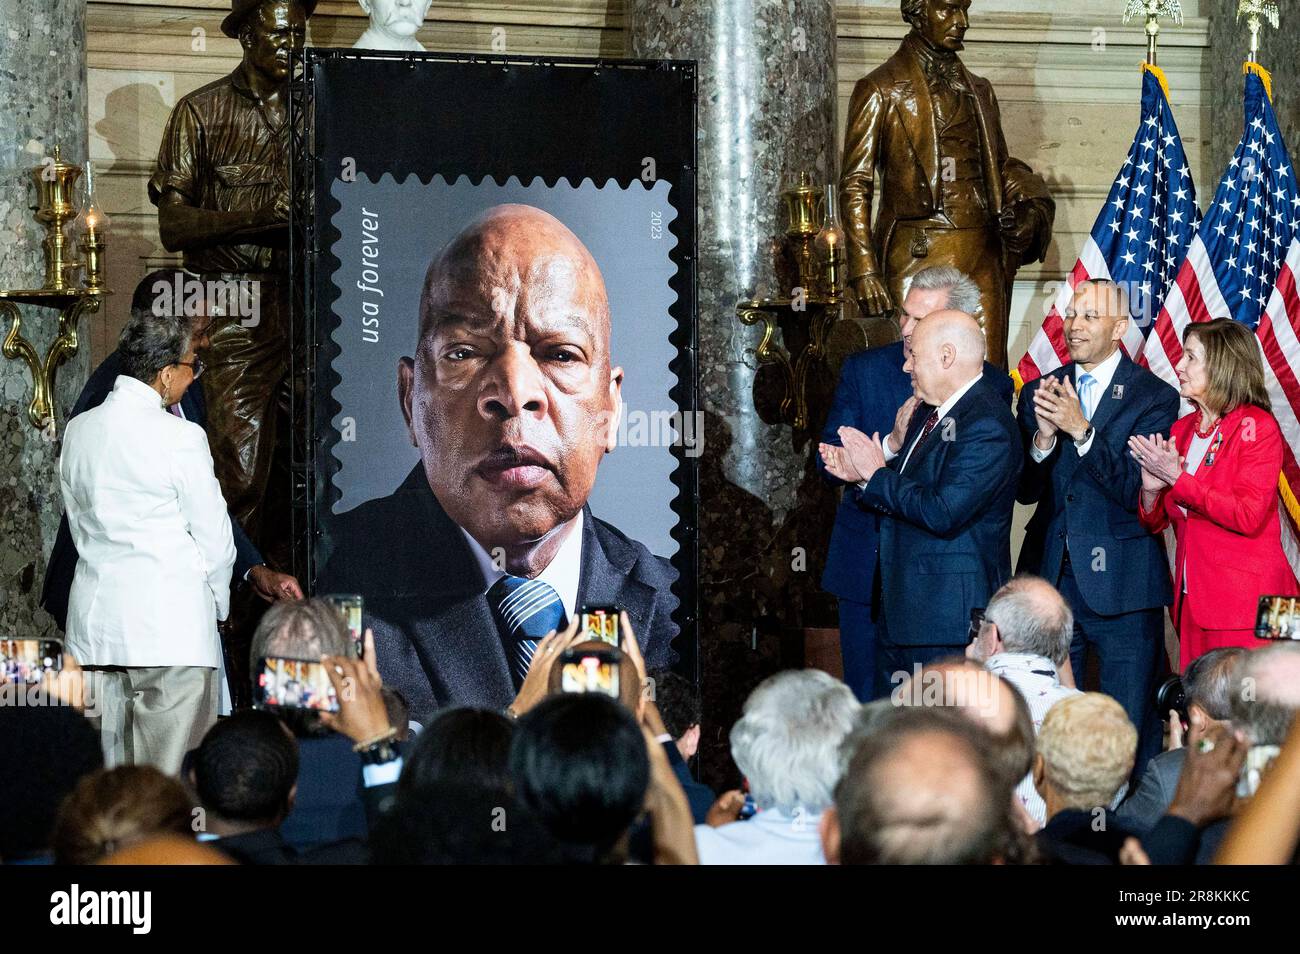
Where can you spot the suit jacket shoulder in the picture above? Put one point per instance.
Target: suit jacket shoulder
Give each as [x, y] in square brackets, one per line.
[627, 574]
[868, 358]
[866, 370]
[642, 564]
[984, 401]
[1000, 382]
[398, 544]
[437, 638]
[1145, 379]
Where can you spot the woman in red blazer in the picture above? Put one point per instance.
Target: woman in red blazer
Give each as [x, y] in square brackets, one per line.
[1215, 482]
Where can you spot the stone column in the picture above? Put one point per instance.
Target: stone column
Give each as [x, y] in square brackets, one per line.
[767, 97]
[43, 92]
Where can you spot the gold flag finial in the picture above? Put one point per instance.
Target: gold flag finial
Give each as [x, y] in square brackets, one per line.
[1153, 10]
[1256, 12]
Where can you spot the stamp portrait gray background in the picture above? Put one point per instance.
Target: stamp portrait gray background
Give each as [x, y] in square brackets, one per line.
[633, 489]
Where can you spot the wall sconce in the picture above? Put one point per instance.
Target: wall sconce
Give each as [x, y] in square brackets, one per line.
[54, 180]
[815, 240]
[90, 228]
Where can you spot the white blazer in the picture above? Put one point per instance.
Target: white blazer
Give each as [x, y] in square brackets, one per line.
[152, 533]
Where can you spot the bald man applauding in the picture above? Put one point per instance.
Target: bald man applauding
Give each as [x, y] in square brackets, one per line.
[944, 482]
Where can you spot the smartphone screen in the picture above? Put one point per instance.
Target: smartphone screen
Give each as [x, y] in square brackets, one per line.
[26, 661]
[350, 606]
[589, 672]
[600, 622]
[1278, 617]
[294, 684]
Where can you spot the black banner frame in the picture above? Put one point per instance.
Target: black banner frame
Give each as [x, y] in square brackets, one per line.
[553, 156]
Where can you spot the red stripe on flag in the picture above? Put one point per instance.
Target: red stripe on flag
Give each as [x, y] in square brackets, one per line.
[1190, 285]
[1286, 376]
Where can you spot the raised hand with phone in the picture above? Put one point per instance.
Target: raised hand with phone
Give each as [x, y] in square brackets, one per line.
[666, 804]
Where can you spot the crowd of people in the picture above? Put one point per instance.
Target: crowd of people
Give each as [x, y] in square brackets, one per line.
[960, 732]
[967, 761]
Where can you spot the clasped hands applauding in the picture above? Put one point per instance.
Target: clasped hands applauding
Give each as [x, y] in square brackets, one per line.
[1057, 409]
[1160, 462]
[861, 456]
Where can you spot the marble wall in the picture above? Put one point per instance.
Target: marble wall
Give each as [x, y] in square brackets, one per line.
[43, 92]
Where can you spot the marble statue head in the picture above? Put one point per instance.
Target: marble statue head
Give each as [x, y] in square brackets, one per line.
[393, 24]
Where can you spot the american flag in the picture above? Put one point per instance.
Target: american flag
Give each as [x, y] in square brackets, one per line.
[1140, 236]
[1243, 264]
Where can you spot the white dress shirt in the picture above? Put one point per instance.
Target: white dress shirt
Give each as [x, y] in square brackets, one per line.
[562, 573]
[1101, 376]
[152, 532]
[1037, 680]
[769, 838]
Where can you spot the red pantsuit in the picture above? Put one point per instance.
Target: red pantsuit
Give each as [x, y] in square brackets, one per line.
[1229, 551]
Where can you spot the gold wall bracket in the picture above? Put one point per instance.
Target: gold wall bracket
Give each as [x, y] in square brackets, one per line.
[803, 332]
[70, 304]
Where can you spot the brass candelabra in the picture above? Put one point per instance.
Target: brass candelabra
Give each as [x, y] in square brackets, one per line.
[55, 182]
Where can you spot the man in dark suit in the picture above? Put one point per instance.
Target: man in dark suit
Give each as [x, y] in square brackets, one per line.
[944, 484]
[1084, 536]
[512, 399]
[872, 391]
[249, 565]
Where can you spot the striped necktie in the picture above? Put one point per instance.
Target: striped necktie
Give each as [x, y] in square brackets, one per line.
[529, 609]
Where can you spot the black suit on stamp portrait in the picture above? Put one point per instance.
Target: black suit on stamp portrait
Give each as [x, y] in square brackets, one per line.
[436, 637]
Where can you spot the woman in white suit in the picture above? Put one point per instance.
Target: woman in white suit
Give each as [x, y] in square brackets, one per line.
[153, 535]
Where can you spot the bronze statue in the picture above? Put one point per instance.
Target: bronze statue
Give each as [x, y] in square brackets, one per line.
[925, 134]
[221, 187]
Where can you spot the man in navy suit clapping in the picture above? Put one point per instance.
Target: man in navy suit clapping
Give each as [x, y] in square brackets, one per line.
[1084, 536]
[944, 483]
[872, 388]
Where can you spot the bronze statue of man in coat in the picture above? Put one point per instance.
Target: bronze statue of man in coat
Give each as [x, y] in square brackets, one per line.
[924, 135]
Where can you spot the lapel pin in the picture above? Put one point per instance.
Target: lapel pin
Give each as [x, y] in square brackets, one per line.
[1117, 392]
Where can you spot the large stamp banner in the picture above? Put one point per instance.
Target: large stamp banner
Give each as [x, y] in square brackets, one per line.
[500, 381]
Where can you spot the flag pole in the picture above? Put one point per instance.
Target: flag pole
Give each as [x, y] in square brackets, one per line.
[1153, 10]
[1256, 12]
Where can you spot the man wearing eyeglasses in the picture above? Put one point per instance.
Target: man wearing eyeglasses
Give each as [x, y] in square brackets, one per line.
[249, 565]
[1024, 637]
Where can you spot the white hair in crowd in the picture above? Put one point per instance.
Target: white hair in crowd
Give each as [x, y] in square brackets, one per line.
[787, 740]
[1088, 744]
[1032, 617]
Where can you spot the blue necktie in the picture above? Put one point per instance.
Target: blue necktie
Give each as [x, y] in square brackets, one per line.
[529, 609]
[1086, 383]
